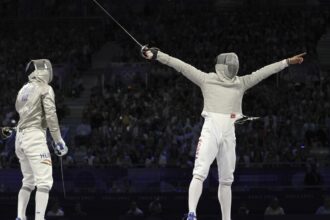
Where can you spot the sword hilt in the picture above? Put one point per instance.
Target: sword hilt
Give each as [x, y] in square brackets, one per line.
[143, 49]
[7, 131]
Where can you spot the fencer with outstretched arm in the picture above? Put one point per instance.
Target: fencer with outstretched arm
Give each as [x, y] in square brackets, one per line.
[223, 92]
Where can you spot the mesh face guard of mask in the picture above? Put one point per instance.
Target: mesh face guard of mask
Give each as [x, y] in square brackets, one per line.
[41, 64]
[231, 61]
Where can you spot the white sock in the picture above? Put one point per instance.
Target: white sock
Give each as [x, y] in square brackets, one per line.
[224, 196]
[23, 200]
[195, 192]
[42, 196]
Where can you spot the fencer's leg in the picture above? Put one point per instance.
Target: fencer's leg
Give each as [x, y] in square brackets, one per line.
[28, 185]
[42, 197]
[36, 151]
[226, 160]
[44, 182]
[195, 192]
[42, 169]
[23, 200]
[206, 152]
[25, 191]
[225, 199]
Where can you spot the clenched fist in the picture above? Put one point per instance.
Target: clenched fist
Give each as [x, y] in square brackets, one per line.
[149, 53]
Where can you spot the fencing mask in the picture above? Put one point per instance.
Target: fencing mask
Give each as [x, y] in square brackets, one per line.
[43, 66]
[227, 64]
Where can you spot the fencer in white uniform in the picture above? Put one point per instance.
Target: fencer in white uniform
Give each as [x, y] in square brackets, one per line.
[223, 92]
[35, 104]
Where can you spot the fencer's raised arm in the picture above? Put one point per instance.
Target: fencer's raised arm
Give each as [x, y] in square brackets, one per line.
[195, 75]
[254, 78]
[48, 102]
[251, 80]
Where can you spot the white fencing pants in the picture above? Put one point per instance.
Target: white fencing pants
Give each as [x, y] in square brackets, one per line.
[35, 160]
[218, 141]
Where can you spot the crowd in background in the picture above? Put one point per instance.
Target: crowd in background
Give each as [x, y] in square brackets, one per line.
[157, 123]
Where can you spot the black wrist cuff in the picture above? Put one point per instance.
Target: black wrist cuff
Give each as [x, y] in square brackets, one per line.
[154, 52]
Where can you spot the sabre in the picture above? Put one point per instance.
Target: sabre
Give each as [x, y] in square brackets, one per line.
[245, 119]
[61, 169]
[105, 11]
[62, 175]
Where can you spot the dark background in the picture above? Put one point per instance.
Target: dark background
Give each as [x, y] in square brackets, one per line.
[132, 125]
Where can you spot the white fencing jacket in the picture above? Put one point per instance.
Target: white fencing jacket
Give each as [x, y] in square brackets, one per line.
[35, 104]
[221, 95]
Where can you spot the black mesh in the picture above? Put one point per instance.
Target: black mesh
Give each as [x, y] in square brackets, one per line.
[29, 68]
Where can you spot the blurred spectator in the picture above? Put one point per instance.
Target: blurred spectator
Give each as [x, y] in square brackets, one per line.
[325, 208]
[80, 155]
[274, 208]
[2, 188]
[243, 210]
[121, 186]
[90, 158]
[134, 211]
[83, 132]
[312, 176]
[55, 210]
[78, 210]
[77, 86]
[155, 209]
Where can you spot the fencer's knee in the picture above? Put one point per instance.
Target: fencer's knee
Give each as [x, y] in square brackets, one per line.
[199, 177]
[44, 189]
[28, 184]
[225, 183]
[28, 188]
[226, 179]
[45, 185]
[201, 172]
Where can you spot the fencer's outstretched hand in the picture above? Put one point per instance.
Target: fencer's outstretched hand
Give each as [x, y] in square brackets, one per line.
[60, 148]
[298, 59]
[149, 53]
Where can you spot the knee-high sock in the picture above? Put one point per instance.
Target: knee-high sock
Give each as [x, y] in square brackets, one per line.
[224, 196]
[42, 196]
[23, 200]
[195, 192]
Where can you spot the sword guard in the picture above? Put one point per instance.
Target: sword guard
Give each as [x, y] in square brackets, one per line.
[144, 48]
[6, 132]
[153, 50]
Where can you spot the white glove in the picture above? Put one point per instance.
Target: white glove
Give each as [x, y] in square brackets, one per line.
[60, 148]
